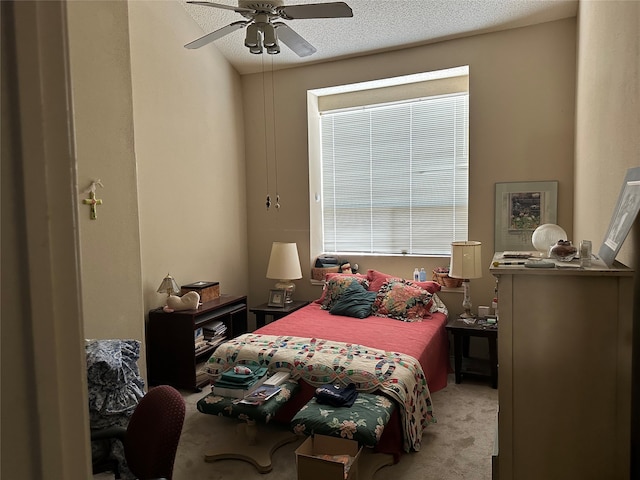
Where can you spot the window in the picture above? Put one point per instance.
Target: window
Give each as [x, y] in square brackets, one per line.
[394, 176]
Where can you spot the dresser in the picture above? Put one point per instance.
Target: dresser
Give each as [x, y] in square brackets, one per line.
[564, 372]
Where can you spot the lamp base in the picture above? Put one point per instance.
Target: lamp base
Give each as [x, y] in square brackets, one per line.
[466, 301]
[289, 288]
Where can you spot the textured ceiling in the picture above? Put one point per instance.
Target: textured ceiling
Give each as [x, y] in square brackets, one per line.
[376, 26]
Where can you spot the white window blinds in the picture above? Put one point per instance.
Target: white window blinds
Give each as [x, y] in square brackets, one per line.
[395, 177]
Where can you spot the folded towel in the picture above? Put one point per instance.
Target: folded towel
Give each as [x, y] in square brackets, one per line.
[336, 395]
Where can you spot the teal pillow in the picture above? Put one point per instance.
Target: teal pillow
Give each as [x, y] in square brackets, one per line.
[355, 301]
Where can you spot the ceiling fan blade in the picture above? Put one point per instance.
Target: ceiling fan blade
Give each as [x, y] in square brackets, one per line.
[294, 41]
[220, 5]
[315, 10]
[211, 37]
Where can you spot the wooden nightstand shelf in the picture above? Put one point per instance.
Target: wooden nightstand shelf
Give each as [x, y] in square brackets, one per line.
[171, 355]
[461, 332]
[261, 311]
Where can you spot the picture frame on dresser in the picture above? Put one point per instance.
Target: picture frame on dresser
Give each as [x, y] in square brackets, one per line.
[520, 208]
[624, 215]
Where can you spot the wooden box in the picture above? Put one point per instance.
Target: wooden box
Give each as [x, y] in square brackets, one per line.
[207, 290]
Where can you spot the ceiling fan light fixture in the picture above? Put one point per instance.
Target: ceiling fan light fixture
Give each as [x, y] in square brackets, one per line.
[261, 27]
[269, 33]
[252, 39]
[273, 49]
[256, 50]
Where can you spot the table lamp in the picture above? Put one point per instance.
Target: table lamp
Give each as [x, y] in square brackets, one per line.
[466, 263]
[168, 286]
[284, 265]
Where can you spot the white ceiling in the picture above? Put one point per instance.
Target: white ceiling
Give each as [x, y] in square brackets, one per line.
[376, 25]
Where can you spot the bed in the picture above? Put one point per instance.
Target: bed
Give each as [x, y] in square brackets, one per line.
[323, 343]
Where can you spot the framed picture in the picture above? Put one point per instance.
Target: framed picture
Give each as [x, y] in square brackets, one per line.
[276, 298]
[521, 207]
[623, 216]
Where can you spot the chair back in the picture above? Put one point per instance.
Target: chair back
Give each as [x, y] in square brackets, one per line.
[153, 433]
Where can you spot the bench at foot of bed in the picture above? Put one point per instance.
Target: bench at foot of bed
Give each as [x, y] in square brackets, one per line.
[250, 443]
[364, 421]
[255, 447]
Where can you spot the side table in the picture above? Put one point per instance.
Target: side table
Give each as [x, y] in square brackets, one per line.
[461, 332]
[261, 311]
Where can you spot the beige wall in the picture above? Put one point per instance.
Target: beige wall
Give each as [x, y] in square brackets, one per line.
[103, 112]
[521, 88]
[608, 116]
[169, 150]
[189, 148]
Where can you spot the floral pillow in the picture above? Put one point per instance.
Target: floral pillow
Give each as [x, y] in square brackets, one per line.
[335, 287]
[329, 276]
[402, 300]
[377, 279]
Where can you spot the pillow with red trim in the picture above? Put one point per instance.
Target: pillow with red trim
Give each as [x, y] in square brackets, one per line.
[336, 286]
[402, 300]
[377, 279]
[329, 276]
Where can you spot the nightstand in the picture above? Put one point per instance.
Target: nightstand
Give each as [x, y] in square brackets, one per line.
[275, 313]
[461, 332]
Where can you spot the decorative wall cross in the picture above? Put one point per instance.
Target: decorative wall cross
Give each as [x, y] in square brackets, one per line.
[92, 200]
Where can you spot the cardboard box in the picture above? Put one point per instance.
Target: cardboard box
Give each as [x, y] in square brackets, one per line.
[207, 290]
[312, 467]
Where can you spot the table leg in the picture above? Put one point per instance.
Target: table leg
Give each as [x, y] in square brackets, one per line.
[260, 319]
[457, 355]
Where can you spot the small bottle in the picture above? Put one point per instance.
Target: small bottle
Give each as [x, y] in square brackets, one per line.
[423, 275]
[585, 253]
[416, 275]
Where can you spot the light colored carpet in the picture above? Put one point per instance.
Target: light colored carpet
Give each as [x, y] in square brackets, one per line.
[458, 446]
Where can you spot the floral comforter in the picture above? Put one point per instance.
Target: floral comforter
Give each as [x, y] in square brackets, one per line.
[319, 361]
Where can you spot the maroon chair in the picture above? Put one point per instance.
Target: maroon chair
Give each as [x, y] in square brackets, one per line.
[152, 435]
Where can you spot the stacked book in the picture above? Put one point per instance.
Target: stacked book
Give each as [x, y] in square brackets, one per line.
[240, 382]
[209, 336]
[215, 333]
[199, 341]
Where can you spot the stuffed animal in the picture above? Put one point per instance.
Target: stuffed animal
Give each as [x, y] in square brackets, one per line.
[189, 301]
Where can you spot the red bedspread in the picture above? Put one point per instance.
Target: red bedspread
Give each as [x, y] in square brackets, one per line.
[426, 341]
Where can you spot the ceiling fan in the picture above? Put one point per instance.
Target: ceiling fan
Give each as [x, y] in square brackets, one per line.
[263, 31]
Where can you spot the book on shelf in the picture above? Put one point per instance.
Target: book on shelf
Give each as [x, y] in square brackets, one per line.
[260, 394]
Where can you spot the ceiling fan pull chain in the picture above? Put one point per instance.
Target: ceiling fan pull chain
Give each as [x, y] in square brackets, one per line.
[266, 152]
[275, 144]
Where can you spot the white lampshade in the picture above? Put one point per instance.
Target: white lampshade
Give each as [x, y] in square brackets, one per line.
[466, 260]
[284, 263]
